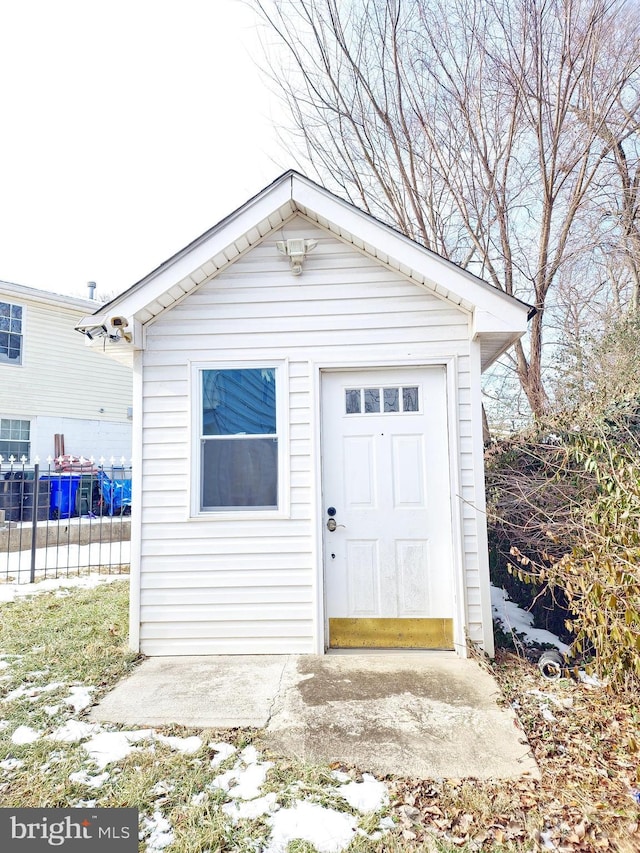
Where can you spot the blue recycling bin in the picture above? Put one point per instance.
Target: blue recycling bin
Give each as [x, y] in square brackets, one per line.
[64, 488]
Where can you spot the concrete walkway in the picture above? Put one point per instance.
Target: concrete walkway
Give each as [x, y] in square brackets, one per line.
[423, 715]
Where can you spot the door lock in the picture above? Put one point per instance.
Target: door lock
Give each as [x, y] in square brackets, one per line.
[331, 521]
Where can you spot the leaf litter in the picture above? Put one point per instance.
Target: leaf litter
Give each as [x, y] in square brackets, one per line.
[584, 738]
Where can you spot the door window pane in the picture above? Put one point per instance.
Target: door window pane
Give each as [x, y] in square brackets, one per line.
[371, 400]
[410, 401]
[391, 400]
[352, 401]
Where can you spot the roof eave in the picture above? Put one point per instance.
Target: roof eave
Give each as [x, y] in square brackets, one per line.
[292, 194]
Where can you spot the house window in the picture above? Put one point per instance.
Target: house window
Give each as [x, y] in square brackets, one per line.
[10, 333]
[14, 438]
[239, 439]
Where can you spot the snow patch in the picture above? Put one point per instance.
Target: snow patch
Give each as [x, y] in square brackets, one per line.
[157, 831]
[74, 731]
[162, 787]
[328, 830]
[514, 619]
[11, 591]
[223, 751]
[31, 692]
[244, 784]
[25, 734]
[251, 809]
[79, 698]
[199, 799]
[84, 778]
[366, 796]
[589, 680]
[11, 764]
[186, 745]
[107, 747]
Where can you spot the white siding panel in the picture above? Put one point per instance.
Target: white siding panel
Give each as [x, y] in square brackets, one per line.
[218, 596]
[211, 629]
[235, 645]
[166, 574]
[236, 611]
[63, 386]
[225, 585]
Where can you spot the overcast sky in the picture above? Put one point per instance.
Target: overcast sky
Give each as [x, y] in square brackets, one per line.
[129, 127]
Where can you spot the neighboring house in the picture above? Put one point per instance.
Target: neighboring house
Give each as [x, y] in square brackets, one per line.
[308, 435]
[52, 384]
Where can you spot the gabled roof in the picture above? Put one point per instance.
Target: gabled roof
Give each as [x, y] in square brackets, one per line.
[498, 319]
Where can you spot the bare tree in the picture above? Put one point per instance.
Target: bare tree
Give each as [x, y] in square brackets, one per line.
[481, 128]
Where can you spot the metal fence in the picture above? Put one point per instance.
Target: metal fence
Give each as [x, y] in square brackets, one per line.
[70, 516]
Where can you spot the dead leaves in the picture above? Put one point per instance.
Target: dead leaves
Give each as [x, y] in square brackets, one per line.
[588, 757]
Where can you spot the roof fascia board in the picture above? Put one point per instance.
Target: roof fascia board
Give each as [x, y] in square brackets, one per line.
[404, 250]
[486, 322]
[306, 197]
[181, 266]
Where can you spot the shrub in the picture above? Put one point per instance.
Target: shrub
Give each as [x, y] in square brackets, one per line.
[567, 504]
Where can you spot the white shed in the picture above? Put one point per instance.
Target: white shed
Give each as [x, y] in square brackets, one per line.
[308, 435]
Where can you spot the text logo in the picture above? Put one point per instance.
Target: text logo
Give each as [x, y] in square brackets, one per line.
[69, 830]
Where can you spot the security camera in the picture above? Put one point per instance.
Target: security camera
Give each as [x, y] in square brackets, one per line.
[92, 329]
[119, 322]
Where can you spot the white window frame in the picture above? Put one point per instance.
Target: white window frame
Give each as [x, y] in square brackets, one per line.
[281, 368]
[18, 458]
[5, 360]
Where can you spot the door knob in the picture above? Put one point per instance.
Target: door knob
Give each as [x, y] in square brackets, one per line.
[331, 524]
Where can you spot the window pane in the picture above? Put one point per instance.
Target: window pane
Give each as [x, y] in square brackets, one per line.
[10, 332]
[371, 400]
[14, 438]
[391, 400]
[353, 401]
[239, 402]
[14, 347]
[410, 401]
[240, 473]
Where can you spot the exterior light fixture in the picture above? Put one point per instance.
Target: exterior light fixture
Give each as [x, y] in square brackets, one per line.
[296, 249]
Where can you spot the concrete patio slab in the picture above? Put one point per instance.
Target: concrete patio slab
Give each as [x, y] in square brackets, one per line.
[423, 715]
[214, 692]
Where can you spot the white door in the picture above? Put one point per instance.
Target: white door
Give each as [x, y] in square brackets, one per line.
[386, 493]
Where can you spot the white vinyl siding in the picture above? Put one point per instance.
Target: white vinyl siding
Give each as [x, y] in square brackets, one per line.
[59, 376]
[249, 585]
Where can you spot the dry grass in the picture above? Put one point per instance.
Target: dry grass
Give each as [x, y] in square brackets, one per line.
[588, 754]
